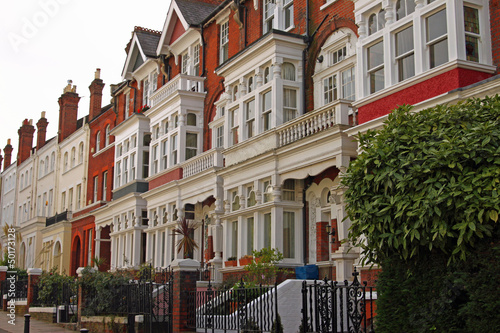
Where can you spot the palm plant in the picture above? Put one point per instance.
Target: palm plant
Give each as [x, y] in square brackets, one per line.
[186, 228]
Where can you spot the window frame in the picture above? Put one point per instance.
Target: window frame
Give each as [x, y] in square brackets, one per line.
[224, 42]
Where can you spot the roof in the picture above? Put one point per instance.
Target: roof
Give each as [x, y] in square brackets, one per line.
[195, 11]
[148, 39]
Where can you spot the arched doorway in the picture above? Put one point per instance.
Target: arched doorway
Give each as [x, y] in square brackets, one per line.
[76, 253]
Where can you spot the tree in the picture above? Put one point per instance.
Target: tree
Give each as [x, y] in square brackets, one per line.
[427, 181]
[185, 229]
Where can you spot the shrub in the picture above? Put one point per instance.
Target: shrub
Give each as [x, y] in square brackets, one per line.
[50, 288]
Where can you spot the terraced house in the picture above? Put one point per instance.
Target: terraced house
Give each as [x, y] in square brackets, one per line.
[239, 116]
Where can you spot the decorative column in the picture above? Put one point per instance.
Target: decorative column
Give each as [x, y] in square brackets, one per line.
[185, 273]
[346, 254]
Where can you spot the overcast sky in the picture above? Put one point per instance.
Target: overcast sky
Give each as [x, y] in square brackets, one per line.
[44, 43]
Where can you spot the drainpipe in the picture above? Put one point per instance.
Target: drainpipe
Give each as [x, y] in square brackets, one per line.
[307, 184]
[304, 60]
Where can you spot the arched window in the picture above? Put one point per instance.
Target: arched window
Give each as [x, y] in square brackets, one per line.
[372, 24]
[42, 167]
[191, 119]
[288, 71]
[404, 7]
[235, 92]
[250, 84]
[107, 136]
[80, 153]
[52, 161]
[267, 75]
[73, 157]
[46, 165]
[65, 161]
[98, 142]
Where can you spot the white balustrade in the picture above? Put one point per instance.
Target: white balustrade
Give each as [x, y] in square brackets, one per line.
[180, 82]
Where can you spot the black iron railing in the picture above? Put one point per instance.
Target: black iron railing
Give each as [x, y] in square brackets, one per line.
[56, 218]
[329, 306]
[241, 308]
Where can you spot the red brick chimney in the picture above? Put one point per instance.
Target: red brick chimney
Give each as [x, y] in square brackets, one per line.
[68, 112]
[41, 126]
[25, 141]
[96, 88]
[7, 155]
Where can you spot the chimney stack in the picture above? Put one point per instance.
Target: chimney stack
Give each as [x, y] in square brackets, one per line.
[25, 140]
[1, 159]
[41, 126]
[7, 155]
[96, 88]
[68, 111]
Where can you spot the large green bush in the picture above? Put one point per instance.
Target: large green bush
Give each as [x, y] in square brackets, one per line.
[427, 180]
[50, 288]
[423, 198]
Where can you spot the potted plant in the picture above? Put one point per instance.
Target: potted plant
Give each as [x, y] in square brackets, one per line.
[186, 229]
[231, 262]
[246, 259]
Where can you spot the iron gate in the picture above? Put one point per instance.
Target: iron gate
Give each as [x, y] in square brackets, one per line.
[152, 298]
[329, 306]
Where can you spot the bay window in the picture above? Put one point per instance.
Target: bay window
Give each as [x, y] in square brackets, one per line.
[348, 84]
[174, 150]
[164, 154]
[219, 137]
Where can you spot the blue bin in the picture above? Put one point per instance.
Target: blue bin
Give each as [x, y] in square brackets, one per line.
[307, 272]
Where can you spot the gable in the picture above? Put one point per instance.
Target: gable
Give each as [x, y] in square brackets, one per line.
[178, 30]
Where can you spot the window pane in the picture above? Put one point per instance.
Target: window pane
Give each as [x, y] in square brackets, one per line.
[376, 81]
[404, 41]
[406, 67]
[472, 48]
[375, 55]
[249, 235]
[234, 240]
[267, 230]
[471, 20]
[348, 86]
[439, 53]
[436, 25]
[288, 234]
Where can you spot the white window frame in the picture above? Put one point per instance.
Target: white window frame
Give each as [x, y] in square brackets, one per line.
[224, 42]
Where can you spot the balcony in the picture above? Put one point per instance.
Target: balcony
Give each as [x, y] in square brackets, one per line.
[181, 82]
[313, 122]
[209, 159]
[307, 125]
[64, 216]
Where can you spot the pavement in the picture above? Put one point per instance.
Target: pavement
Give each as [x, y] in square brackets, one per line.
[36, 326]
